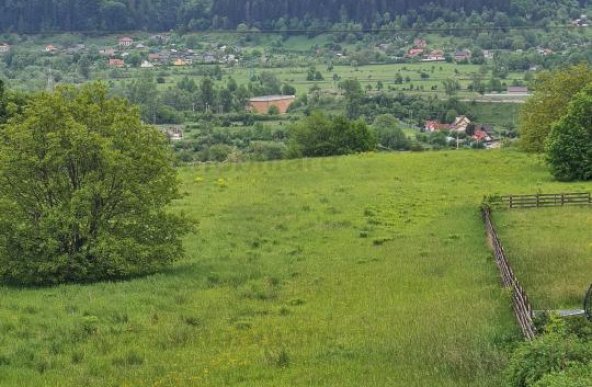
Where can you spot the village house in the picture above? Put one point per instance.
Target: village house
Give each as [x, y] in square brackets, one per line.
[114, 62]
[434, 56]
[180, 62]
[107, 52]
[50, 48]
[461, 55]
[262, 105]
[488, 54]
[4, 48]
[460, 124]
[174, 133]
[481, 135]
[435, 126]
[126, 41]
[414, 52]
[146, 65]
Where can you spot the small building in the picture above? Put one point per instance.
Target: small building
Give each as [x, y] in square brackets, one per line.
[174, 133]
[262, 104]
[107, 52]
[462, 55]
[414, 52]
[460, 124]
[180, 62]
[146, 65]
[126, 41]
[435, 126]
[114, 62]
[4, 48]
[434, 56]
[517, 90]
[51, 48]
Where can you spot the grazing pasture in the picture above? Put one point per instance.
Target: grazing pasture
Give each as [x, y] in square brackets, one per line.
[550, 250]
[361, 270]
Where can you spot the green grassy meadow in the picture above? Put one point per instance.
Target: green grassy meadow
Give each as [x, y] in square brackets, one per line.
[365, 270]
[550, 250]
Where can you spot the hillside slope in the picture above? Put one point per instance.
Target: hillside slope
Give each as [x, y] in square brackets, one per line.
[359, 270]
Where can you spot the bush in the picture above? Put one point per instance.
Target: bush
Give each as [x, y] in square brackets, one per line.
[318, 135]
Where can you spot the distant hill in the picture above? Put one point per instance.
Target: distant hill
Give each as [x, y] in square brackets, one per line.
[32, 16]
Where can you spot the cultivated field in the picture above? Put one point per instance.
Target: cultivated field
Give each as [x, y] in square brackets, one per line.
[361, 270]
[550, 251]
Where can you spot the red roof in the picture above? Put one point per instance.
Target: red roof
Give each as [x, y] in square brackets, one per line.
[433, 126]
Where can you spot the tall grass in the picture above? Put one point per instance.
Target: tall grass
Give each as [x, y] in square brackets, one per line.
[358, 270]
[550, 250]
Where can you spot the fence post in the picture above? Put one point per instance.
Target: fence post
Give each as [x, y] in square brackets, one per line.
[562, 198]
[511, 201]
[537, 200]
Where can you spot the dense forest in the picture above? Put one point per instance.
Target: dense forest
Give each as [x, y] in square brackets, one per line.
[34, 16]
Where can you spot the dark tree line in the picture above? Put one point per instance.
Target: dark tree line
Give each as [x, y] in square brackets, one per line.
[31, 16]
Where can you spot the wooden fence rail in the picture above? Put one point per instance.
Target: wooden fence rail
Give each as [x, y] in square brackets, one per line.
[547, 200]
[522, 308]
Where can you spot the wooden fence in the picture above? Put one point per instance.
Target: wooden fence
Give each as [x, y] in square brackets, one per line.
[547, 200]
[522, 308]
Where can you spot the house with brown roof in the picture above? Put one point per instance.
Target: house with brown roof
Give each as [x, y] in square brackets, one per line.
[262, 104]
[461, 55]
[114, 62]
[51, 48]
[4, 48]
[126, 41]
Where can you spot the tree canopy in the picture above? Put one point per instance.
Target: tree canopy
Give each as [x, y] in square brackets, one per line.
[554, 90]
[318, 135]
[84, 189]
[32, 16]
[569, 144]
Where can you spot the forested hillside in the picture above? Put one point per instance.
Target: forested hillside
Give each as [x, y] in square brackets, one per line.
[31, 16]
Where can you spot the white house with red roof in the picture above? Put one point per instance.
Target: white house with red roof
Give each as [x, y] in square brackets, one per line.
[126, 41]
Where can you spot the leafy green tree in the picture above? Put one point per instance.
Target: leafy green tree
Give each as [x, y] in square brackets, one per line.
[569, 144]
[353, 93]
[318, 135]
[84, 189]
[554, 90]
[389, 134]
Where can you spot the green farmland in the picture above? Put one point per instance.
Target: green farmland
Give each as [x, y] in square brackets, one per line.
[550, 250]
[366, 270]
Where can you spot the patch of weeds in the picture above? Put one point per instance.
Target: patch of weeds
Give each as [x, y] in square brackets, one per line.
[277, 358]
[192, 321]
[42, 365]
[381, 241]
[369, 212]
[364, 234]
[284, 311]
[305, 208]
[296, 302]
[4, 360]
[29, 309]
[324, 200]
[132, 358]
[119, 318]
[212, 279]
[77, 357]
[281, 227]
[243, 325]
